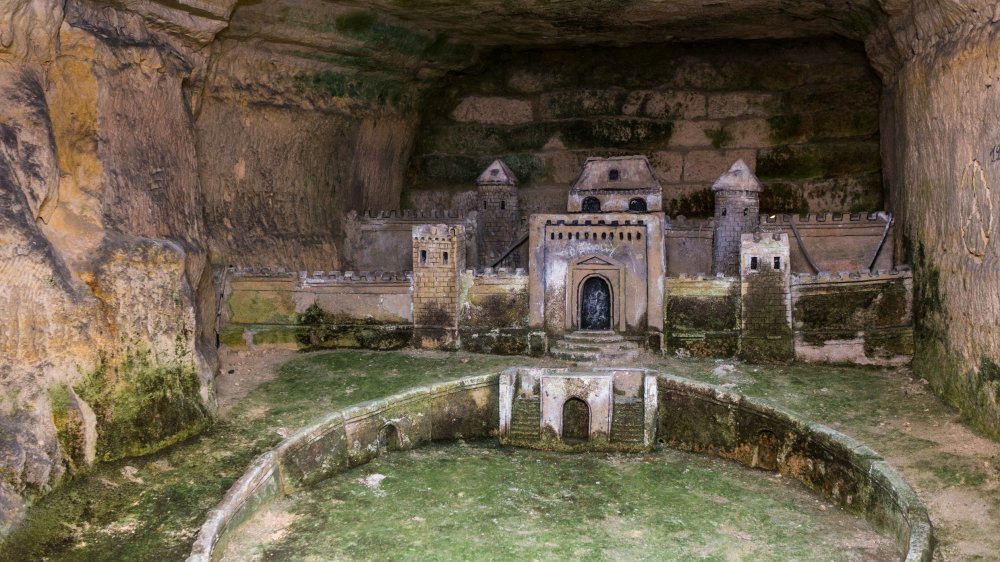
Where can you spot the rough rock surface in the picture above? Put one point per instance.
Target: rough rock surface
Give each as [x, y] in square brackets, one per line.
[940, 97]
[145, 145]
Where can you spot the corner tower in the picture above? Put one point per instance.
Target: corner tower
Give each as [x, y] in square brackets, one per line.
[737, 211]
[499, 215]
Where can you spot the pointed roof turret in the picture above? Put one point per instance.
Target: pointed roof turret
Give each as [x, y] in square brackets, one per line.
[738, 178]
[497, 173]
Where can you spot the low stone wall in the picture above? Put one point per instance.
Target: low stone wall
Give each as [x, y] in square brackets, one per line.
[494, 313]
[466, 408]
[363, 309]
[711, 420]
[861, 318]
[692, 416]
[701, 315]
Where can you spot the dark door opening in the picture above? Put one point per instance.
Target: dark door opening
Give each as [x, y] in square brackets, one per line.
[576, 420]
[595, 305]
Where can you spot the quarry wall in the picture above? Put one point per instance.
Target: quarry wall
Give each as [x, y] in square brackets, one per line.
[940, 68]
[803, 115]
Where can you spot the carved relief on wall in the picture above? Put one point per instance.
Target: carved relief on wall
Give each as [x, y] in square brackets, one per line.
[976, 210]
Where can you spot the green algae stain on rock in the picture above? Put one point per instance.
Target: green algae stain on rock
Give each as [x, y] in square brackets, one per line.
[143, 404]
[69, 425]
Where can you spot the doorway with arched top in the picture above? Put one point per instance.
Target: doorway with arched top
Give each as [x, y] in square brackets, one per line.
[575, 420]
[595, 304]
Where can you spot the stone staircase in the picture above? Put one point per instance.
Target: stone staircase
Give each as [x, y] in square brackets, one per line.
[593, 346]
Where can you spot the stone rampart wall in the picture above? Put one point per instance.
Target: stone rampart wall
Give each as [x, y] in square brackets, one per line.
[692, 416]
[864, 318]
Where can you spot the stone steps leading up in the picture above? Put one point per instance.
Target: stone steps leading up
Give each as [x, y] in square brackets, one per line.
[588, 346]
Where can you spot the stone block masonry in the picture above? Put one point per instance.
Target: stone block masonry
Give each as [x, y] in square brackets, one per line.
[805, 116]
[766, 299]
[438, 259]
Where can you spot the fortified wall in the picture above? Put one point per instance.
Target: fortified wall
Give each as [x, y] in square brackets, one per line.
[765, 287]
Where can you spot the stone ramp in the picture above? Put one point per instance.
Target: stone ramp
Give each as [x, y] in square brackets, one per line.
[594, 346]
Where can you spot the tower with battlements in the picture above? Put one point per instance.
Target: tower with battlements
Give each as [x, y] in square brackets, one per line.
[737, 212]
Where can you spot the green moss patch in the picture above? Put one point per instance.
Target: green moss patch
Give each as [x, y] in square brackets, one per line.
[482, 502]
[319, 329]
[69, 425]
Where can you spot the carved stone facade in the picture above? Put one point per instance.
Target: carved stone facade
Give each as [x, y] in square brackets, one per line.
[602, 409]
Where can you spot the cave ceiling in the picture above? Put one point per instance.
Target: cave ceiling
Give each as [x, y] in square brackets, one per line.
[519, 23]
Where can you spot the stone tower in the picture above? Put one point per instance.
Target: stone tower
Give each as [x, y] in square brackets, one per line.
[438, 260]
[765, 297]
[499, 215]
[737, 212]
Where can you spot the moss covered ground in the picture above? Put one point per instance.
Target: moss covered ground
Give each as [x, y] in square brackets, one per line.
[480, 502]
[149, 508]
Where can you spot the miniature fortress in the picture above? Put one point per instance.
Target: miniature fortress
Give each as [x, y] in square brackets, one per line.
[610, 275]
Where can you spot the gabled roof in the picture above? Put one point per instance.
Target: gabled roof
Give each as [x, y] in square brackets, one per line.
[738, 178]
[634, 172]
[497, 173]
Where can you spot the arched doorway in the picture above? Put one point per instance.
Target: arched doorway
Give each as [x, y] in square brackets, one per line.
[595, 304]
[388, 438]
[576, 420]
[637, 205]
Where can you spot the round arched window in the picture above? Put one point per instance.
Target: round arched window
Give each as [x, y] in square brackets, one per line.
[591, 205]
[637, 205]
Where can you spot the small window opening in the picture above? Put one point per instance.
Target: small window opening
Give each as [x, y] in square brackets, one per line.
[777, 262]
[621, 235]
[503, 204]
[495, 172]
[638, 236]
[423, 257]
[552, 236]
[746, 212]
[591, 205]
[586, 236]
[723, 211]
[753, 263]
[560, 235]
[445, 257]
[637, 205]
[630, 236]
[486, 205]
[614, 175]
[604, 236]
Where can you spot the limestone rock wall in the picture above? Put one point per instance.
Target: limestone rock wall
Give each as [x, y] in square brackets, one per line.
[102, 355]
[941, 98]
[804, 115]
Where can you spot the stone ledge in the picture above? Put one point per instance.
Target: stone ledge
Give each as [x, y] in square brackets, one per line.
[714, 421]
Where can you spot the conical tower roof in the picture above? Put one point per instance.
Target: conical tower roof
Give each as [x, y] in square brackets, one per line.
[738, 178]
[497, 173]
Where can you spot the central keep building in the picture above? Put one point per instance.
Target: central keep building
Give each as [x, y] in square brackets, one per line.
[601, 266]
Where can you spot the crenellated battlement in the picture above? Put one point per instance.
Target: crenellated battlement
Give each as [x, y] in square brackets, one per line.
[901, 272]
[874, 217]
[497, 272]
[354, 277]
[239, 272]
[411, 214]
[703, 277]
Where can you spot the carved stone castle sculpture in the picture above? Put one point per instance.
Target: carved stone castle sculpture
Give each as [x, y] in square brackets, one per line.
[610, 275]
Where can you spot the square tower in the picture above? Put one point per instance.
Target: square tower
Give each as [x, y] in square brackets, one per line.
[765, 296]
[438, 260]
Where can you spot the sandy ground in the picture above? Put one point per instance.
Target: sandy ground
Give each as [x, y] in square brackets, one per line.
[244, 369]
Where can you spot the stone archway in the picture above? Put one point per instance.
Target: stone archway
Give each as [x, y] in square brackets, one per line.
[575, 420]
[595, 304]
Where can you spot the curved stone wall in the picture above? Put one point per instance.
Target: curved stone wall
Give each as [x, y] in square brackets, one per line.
[692, 416]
